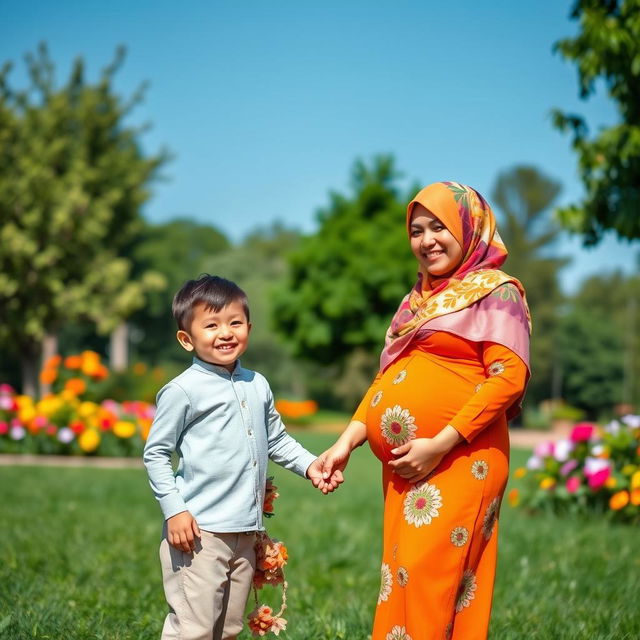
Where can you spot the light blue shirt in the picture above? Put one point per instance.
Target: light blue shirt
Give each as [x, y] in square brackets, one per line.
[224, 428]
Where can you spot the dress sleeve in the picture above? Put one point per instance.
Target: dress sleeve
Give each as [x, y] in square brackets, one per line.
[361, 412]
[506, 380]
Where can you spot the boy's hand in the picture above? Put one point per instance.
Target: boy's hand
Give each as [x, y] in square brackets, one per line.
[182, 530]
[326, 485]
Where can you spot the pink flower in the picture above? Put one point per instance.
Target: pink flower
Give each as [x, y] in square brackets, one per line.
[568, 467]
[7, 403]
[4, 428]
[573, 484]
[595, 465]
[6, 389]
[582, 432]
[544, 449]
[599, 478]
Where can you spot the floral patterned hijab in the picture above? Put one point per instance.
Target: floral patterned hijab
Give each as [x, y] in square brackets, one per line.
[469, 218]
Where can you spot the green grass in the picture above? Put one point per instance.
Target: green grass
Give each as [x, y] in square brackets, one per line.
[79, 560]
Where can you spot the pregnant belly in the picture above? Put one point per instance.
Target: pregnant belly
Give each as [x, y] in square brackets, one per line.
[415, 398]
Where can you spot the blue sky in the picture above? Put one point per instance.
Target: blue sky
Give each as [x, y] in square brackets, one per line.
[265, 105]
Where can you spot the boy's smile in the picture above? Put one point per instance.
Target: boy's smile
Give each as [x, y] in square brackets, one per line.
[218, 337]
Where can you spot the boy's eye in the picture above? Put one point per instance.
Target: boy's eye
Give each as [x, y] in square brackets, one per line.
[210, 326]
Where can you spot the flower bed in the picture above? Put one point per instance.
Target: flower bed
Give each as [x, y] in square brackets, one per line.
[595, 469]
[69, 420]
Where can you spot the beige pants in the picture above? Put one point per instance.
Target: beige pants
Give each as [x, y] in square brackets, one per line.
[207, 590]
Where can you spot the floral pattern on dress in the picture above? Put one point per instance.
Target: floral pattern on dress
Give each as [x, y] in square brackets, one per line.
[459, 536]
[490, 517]
[398, 633]
[448, 631]
[402, 576]
[496, 368]
[397, 426]
[422, 504]
[478, 387]
[386, 582]
[375, 401]
[466, 590]
[400, 377]
[479, 469]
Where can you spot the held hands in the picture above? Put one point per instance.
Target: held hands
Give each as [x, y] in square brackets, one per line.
[182, 530]
[328, 468]
[416, 459]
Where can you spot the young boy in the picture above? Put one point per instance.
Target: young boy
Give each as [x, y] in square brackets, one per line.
[221, 422]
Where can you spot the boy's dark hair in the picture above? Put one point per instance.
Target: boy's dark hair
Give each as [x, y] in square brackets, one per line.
[212, 291]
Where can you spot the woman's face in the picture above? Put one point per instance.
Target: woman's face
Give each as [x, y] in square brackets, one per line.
[435, 248]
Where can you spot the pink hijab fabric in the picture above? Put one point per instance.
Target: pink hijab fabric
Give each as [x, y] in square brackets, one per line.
[477, 302]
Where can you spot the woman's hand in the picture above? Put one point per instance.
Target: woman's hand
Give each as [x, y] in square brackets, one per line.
[418, 458]
[333, 462]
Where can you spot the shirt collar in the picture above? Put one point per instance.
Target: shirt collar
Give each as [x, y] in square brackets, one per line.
[214, 368]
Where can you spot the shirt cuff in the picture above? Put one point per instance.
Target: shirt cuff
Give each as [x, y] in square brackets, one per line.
[172, 505]
[304, 463]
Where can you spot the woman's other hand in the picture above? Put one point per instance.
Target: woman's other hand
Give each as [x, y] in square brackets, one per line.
[417, 458]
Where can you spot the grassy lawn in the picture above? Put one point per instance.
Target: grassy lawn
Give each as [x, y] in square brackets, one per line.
[79, 560]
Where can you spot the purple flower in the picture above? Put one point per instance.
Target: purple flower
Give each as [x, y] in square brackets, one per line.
[568, 467]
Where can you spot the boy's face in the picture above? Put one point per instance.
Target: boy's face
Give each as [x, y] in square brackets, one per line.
[218, 337]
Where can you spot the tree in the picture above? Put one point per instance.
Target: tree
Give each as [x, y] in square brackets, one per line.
[346, 280]
[180, 250]
[524, 196]
[607, 48]
[72, 180]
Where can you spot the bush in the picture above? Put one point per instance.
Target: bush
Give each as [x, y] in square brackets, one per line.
[596, 469]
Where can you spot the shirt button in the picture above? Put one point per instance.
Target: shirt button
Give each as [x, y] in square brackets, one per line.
[250, 432]
[243, 404]
[255, 463]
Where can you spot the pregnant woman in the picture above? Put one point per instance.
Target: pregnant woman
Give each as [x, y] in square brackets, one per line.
[452, 372]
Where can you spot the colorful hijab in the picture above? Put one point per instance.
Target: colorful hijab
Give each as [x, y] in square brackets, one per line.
[449, 304]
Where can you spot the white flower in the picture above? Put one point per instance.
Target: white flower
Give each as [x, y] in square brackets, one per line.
[459, 536]
[594, 465]
[17, 432]
[534, 463]
[631, 421]
[597, 449]
[397, 426]
[386, 580]
[422, 504]
[479, 469]
[398, 633]
[400, 377]
[562, 449]
[466, 590]
[613, 427]
[376, 399]
[65, 435]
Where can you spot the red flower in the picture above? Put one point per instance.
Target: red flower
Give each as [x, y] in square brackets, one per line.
[582, 432]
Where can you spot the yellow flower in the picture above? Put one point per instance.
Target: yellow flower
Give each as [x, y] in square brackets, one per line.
[90, 362]
[610, 482]
[88, 409]
[635, 497]
[619, 500]
[124, 429]
[635, 480]
[629, 469]
[70, 397]
[49, 405]
[27, 413]
[520, 472]
[23, 401]
[547, 483]
[89, 440]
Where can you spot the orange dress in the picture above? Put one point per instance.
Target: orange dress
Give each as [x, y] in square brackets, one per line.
[440, 535]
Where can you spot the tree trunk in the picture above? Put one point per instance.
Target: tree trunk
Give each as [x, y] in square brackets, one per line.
[49, 349]
[30, 366]
[119, 347]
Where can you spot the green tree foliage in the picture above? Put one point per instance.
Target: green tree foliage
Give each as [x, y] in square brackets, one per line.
[607, 48]
[72, 180]
[524, 197]
[346, 280]
[609, 308]
[180, 250]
